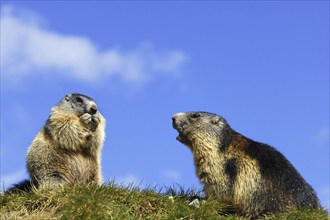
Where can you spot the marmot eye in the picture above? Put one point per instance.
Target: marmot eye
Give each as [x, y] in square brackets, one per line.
[79, 100]
[195, 115]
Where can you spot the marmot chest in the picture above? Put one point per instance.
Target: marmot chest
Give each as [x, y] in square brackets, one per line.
[81, 168]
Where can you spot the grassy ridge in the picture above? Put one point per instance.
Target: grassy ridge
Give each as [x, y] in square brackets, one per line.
[115, 202]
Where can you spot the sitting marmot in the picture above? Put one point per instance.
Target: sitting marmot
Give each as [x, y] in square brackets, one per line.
[253, 177]
[67, 150]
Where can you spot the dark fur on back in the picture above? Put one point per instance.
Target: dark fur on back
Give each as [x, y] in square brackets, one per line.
[21, 187]
[278, 170]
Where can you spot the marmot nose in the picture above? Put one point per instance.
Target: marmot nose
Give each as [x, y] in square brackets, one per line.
[175, 121]
[92, 109]
[177, 117]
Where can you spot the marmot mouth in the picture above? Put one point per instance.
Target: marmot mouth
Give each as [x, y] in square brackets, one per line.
[181, 137]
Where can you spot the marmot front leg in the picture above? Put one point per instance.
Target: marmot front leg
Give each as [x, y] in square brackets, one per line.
[51, 182]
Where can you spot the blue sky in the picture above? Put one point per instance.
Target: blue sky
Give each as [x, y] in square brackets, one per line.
[264, 66]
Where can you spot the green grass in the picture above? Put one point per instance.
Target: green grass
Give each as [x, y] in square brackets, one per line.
[118, 202]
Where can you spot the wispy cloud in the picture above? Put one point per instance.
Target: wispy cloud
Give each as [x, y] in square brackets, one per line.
[129, 179]
[323, 134]
[323, 193]
[20, 116]
[27, 47]
[321, 138]
[172, 175]
[9, 179]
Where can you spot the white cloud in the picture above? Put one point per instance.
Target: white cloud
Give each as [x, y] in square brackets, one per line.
[27, 47]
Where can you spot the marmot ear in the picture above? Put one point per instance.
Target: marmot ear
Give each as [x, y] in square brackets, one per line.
[215, 120]
[67, 97]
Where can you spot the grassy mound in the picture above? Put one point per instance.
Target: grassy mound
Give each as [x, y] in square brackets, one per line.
[118, 202]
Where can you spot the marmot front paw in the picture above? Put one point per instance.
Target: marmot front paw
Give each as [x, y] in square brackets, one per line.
[91, 121]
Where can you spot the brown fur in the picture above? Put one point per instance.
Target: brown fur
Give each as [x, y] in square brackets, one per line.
[251, 176]
[67, 150]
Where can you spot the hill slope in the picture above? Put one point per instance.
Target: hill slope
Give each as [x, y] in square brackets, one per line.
[115, 202]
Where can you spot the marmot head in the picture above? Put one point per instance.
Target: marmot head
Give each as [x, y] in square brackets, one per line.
[196, 128]
[78, 104]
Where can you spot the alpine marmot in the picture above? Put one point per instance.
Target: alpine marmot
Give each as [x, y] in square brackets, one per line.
[252, 177]
[67, 150]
